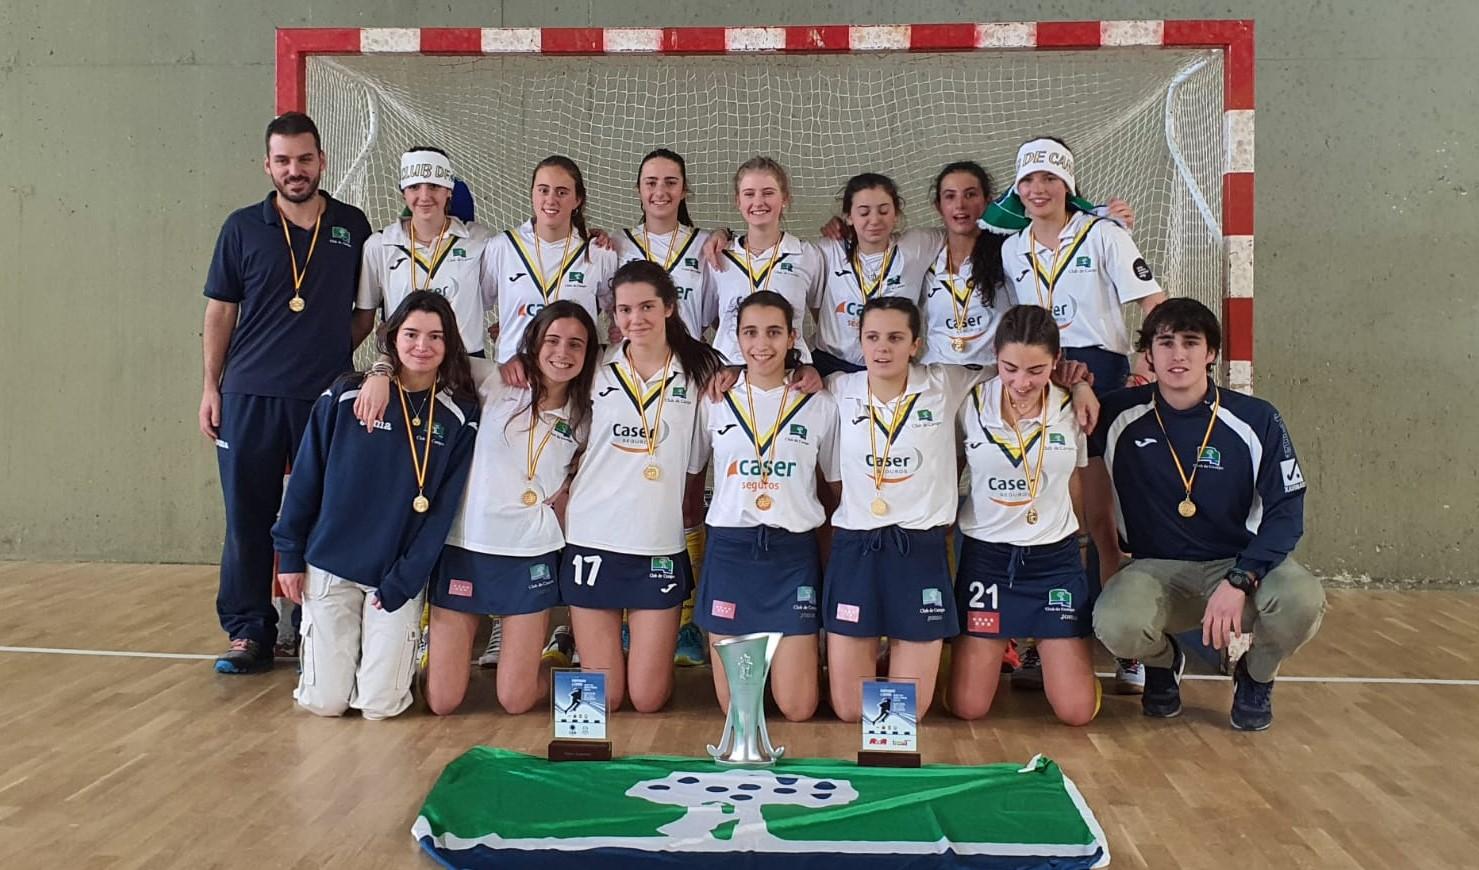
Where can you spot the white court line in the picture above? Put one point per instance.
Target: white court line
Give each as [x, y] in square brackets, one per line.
[1376, 681]
[1392, 681]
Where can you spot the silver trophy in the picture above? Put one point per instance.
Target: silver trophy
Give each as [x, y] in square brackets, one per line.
[746, 661]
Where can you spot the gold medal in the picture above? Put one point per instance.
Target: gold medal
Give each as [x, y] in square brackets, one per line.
[420, 464]
[879, 507]
[764, 502]
[530, 498]
[957, 344]
[1188, 508]
[751, 426]
[297, 304]
[652, 472]
[1031, 516]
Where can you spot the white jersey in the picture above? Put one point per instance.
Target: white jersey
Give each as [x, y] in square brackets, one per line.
[996, 510]
[955, 316]
[795, 273]
[681, 255]
[913, 440]
[494, 518]
[899, 271]
[453, 269]
[613, 506]
[804, 436]
[513, 283]
[1097, 269]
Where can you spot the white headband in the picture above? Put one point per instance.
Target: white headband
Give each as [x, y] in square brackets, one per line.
[1045, 155]
[425, 167]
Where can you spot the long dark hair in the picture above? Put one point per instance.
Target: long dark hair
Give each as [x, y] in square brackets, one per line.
[986, 271]
[869, 181]
[700, 361]
[454, 374]
[771, 299]
[560, 161]
[579, 388]
[667, 154]
[1032, 325]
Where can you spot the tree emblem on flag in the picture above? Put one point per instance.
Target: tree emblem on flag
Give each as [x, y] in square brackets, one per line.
[733, 799]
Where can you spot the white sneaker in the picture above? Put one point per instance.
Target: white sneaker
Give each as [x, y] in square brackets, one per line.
[1029, 674]
[560, 651]
[489, 658]
[1129, 677]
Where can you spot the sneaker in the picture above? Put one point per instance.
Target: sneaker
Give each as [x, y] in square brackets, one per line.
[489, 658]
[1011, 659]
[1028, 675]
[560, 651]
[1162, 694]
[287, 636]
[690, 646]
[1253, 702]
[244, 657]
[1129, 677]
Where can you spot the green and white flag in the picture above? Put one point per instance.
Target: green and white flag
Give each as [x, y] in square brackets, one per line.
[495, 808]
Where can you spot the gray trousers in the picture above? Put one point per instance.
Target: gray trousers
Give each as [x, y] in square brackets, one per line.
[1149, 599]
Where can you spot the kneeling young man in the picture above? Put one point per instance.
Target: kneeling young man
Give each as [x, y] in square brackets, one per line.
[1210, 502]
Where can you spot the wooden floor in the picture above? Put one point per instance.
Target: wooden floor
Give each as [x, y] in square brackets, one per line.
[115, 761]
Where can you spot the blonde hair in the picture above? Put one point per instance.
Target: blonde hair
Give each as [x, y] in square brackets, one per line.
[761, 163]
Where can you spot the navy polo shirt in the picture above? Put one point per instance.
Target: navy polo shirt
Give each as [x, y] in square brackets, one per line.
[274, 351]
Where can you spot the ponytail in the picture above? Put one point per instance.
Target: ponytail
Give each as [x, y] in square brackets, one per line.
[986, 271]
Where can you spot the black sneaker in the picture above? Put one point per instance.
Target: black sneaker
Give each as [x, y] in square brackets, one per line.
[1253, 702]
[245, 657]
[1162, 697]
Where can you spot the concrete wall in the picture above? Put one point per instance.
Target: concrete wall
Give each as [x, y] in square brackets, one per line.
[128, 130]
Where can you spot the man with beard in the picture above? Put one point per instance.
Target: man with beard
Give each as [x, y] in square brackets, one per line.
[279, 327]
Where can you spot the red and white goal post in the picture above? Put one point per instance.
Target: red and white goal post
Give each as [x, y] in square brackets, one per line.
[1158, 112]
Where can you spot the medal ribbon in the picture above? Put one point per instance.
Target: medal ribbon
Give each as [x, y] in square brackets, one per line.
[293, 255]
[1206, 439]
[537, 274]
[899, 415]
[1061, 259]
[531, 455]
[960, 299]
[675, 250]
[1035, 479]
[438, 254]
[767, 272]
[883, 270]
[763, 441]
[632, 385]
[419, 465]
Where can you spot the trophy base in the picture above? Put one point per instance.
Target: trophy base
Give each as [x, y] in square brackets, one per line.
[874, 758]
[580, 750]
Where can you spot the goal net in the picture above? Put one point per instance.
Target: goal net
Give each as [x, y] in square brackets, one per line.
[1146, 125]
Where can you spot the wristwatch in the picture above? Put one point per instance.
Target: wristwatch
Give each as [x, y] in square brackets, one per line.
[1242, 581]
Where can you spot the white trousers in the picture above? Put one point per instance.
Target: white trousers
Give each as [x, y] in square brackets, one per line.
[354, 655]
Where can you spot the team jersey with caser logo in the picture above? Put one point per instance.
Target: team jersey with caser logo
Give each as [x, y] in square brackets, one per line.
[681, 254]
[851, 281]
[1002, 463]
[792, 268]
[913, 442]
[959, 327]
[1097, 269]
[451, 266]
[512, 281]
[775, 453]
[613, 504]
